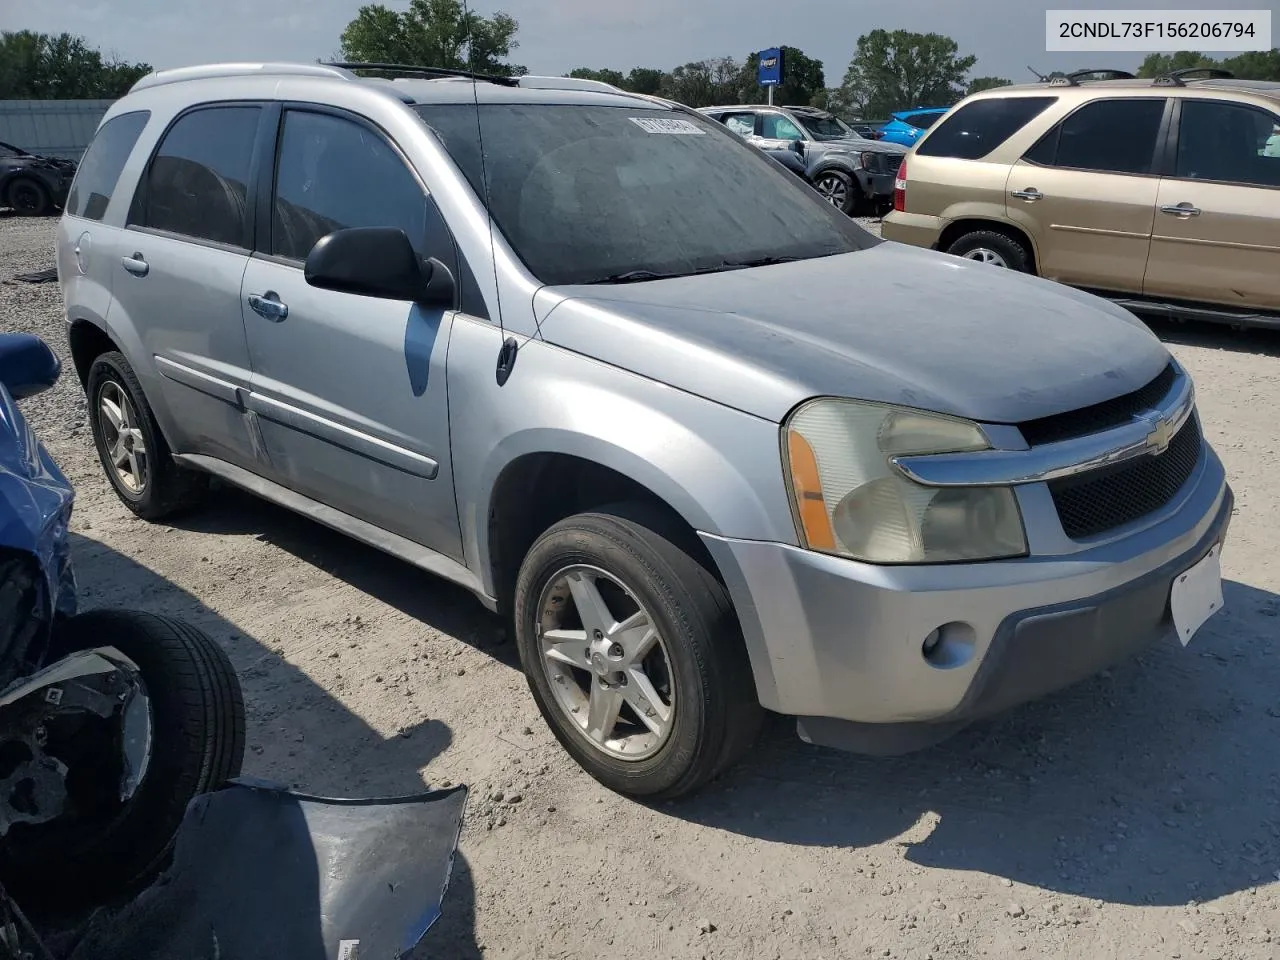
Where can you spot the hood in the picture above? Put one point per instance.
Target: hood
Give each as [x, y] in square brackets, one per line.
[858, 145]
[891, 323]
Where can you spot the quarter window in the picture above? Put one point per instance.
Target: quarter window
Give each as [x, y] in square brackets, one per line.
[197, 182]
[981, 126]
[1107, 136]
[1228, 142]
[102, 164]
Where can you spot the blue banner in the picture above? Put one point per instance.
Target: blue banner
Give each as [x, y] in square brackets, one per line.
[771, 67]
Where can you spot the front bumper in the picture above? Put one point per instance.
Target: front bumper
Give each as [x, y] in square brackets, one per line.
[842, 640]
[876, 185]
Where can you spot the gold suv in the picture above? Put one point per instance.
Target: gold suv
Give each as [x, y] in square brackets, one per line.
[1163, 195]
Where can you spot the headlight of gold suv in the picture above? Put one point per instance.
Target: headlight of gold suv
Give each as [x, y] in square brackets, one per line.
[851, 501]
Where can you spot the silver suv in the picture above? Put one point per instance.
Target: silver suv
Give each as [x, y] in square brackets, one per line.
[594, 358]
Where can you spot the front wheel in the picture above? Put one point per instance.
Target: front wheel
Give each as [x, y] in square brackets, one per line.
[838, 189]
[28, 197]
[633, 653]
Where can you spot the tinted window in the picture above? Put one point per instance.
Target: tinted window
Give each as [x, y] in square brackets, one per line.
[981, 126]
[583, 193]
[1110, 136]
[197, 183]
[774, 126]
[102, 162]
[1230, 142]
[923, 121]
[335, 173]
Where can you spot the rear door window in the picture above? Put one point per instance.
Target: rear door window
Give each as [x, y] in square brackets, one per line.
[103, 161]
[1106, 136]
[1228, 142]
[981, 126]
[196, 185]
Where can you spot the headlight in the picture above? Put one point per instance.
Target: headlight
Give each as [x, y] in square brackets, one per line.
[867, 161]
[850, 500]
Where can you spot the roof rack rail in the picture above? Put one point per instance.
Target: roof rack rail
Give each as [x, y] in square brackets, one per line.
[421, 71]
[1074, 78]
[1177, 77]
[210, 71]
[566, 83]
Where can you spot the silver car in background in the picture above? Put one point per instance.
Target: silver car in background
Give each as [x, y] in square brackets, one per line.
[605, 372]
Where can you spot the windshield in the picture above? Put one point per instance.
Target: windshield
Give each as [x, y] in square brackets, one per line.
[8, 151]
[827, 128]
[591, 193]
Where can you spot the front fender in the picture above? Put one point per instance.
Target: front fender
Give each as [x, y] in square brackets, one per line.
[718, 468]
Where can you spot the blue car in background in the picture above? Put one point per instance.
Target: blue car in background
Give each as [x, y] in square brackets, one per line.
[908, 126]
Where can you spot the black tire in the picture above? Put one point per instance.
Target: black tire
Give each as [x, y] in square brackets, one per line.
[168, 489]
[198, 730]
[28, 197]
[849, 188]
[717, 716]
[1014, 254]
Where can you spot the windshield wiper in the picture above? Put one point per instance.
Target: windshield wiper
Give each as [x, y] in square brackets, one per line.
[639, 276]
[759, 262]
[634, 276]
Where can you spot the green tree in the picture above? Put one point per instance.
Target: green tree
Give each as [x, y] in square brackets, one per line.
[433, 33]
[645, 80]
[978, 84]
[42, 66]
[703, 83]
[802, 79]
[1159, 64]
[901, 70]
[1254, 65]
[613, 77]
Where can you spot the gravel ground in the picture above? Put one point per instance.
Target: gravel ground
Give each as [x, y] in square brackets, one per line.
[1135, 816]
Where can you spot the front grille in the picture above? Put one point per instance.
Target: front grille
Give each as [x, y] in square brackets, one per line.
[1100, 416]
[1103, 499]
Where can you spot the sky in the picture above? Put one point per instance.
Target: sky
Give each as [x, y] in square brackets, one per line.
[558, 35]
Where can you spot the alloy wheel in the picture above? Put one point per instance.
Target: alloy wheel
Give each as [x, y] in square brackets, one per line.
[122, 437]
[986, 255]
[608, 665]
[834, 190]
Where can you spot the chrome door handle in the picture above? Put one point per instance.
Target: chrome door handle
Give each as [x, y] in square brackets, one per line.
[136, 265]
[1031, 193]
[268, 305]
[1183, 210]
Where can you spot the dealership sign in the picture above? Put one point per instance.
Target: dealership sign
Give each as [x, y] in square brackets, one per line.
[771, 67]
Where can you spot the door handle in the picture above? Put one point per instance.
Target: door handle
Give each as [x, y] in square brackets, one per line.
[268, 305]
[1031, 194]
[1183, 210]
[136, 264]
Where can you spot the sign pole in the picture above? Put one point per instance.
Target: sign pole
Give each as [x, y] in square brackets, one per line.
[770, 89]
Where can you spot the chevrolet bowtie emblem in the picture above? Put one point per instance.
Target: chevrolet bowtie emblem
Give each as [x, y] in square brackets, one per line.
[1160, 436]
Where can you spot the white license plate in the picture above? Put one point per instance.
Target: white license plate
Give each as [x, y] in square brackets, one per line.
[1197, 595]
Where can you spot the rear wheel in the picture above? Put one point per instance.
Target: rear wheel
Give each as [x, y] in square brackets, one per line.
[132, 449]
[28, 197]
[102, 845]
[838, 189]
[992, 248]
[633, 653]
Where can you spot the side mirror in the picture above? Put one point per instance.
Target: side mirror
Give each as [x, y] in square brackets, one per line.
[797, 146]
[27, 365]
[378, 262]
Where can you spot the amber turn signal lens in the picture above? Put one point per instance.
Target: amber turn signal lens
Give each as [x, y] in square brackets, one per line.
[806, 486]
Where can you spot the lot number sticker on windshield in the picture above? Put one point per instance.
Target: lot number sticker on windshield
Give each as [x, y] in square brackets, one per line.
[681, 128]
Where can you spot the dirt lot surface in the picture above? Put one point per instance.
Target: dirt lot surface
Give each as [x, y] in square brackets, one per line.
[1136, 816]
